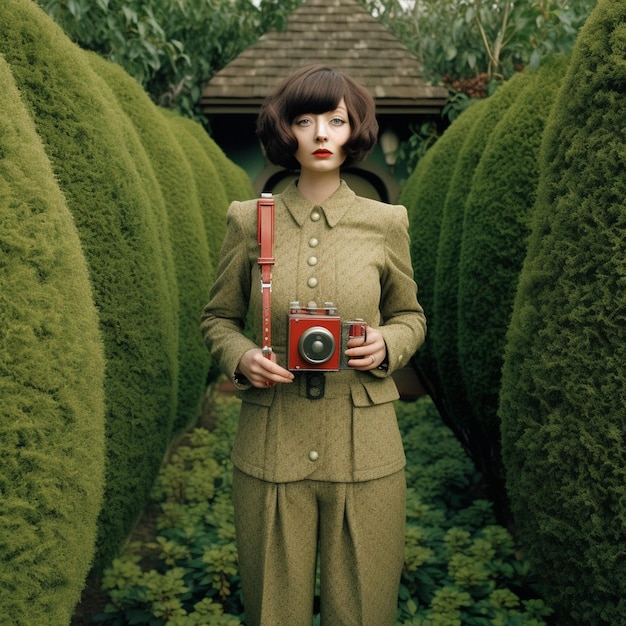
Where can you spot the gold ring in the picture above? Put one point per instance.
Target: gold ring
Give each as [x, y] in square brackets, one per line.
[373, 358]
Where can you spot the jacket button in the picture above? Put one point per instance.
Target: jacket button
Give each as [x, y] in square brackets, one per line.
[313, 242]
[312, 282]
[314, 455]
[312, 260]
[315, 216]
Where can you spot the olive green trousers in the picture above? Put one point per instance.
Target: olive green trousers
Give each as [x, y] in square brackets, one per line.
[358, 530]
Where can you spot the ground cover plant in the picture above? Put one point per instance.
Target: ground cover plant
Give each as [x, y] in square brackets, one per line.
[460, 566]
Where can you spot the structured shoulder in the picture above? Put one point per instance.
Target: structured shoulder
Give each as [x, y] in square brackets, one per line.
[242, 209]
[384, 212]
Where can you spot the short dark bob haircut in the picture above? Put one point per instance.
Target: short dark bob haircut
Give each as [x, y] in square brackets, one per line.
[316, 89]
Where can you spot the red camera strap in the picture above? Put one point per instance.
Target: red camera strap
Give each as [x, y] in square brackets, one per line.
[265, 236]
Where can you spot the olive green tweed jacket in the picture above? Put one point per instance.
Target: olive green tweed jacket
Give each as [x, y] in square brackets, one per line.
[348, 250]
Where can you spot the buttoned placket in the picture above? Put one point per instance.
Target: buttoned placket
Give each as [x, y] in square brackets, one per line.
[312, 260]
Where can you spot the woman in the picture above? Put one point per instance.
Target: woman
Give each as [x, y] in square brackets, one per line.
[318, 458]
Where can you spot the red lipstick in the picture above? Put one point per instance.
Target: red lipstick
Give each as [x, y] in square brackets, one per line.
[322, 153]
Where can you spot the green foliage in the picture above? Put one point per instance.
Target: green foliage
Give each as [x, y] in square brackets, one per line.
[208, 186]
[196, 572]
[483, 118]
[51, 385]
[172, 48]
[496, 225]
[175, 196]
[562, 399]
[424, 196]
[424, 220]
[460, 39]
[218, 181]
[458, 563]
[443, 320]
[107, 181]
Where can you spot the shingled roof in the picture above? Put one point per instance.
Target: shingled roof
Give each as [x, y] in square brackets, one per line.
[339, 33]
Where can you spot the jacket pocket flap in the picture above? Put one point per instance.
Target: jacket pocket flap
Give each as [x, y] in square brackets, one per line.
[374, 392]
[260, 397]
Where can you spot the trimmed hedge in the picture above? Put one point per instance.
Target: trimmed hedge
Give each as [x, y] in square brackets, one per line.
[436, 187]
[496, 225]
[176, 197]
[51, 385]
[447, 278]
[218, 179]
[95, 158]
[424, 195]
[564, 377]
[213, 201]
[107, 208]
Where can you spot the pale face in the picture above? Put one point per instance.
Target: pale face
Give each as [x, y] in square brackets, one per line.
[321, 137]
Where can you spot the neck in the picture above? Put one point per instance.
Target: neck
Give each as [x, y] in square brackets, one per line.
[316, 187]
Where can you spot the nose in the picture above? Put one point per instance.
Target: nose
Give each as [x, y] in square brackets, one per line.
[321, 133]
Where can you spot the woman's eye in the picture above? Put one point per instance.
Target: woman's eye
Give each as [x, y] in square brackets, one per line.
[303, 122]
[337, 121]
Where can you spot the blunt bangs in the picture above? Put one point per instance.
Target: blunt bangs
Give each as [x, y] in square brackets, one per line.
[316, 93]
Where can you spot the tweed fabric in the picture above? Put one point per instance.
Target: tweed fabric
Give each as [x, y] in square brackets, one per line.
[353, 252]
[360, 527]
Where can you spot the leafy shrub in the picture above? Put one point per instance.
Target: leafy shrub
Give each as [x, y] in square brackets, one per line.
[496, 225]
[173, 194]
[424, 196]
[562, 399]
[458, 562]
[208, 186]
[51, 385]
[98, 162]
[446, 310]
[442, 326]
[194, 554]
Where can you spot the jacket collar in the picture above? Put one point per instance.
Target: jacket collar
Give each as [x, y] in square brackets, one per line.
[333, 208]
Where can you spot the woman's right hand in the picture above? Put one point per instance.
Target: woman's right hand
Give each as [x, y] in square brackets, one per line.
[261, 371]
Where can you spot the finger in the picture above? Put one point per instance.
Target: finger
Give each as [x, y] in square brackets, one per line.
[274, 373]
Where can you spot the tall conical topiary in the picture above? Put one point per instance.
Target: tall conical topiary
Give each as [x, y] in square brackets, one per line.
[430, 197]
[51, 385]
[424, 195]
[175, 193]
[208, 185]
[496, 225]
[97, 161]
[446, 311]
[564, 377]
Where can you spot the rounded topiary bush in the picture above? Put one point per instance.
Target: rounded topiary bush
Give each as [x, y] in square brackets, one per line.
[486, 114]
[429, 201]
[209, 188]
[51, 385]
[496, 225]
[219, 181]
[234, 178]
[175, 194]
[564, 376]
[95, 158]
[424, 195]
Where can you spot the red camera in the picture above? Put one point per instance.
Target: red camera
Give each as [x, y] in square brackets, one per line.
[317, 338]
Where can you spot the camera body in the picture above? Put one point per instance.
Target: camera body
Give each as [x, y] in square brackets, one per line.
[317, 338]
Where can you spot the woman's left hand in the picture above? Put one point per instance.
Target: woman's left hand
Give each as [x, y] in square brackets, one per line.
[367, 352]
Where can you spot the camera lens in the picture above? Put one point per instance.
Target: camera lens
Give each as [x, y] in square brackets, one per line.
[316, 345]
